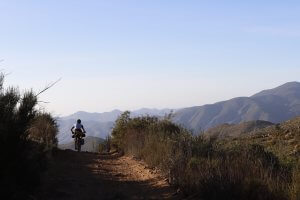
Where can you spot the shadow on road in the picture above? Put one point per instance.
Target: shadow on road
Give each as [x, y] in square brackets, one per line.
[74, 175]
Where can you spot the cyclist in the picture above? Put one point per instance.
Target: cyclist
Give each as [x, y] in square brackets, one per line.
[78, 129]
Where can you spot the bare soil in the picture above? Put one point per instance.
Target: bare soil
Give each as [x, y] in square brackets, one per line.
[74, 175]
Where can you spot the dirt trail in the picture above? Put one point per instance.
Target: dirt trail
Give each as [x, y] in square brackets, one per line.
[75, 175]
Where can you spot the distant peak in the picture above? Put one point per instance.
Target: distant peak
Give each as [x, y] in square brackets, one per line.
[281, 90]
[293, 83]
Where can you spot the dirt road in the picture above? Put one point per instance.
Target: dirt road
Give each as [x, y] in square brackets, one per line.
[75, 175]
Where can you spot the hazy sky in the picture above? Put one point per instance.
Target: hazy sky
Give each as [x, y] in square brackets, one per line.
[147, 53]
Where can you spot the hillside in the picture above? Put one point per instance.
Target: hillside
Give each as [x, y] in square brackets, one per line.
[275, 105]
[281, 139]
[91, 144]
[235, 130]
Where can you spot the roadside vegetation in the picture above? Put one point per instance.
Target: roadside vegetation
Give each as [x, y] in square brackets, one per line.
[209, 168]
[27, 138]
[105, 146]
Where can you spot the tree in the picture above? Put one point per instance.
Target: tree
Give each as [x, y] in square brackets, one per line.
[120, 129]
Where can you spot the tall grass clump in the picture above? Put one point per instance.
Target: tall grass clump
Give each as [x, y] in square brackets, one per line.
[105, 147]
[295, 186]
[26, 136]
[204, 168]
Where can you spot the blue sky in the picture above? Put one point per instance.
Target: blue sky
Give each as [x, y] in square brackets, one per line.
[147, 53]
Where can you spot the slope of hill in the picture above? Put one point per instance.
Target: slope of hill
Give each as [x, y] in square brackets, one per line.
[91, 144]
[235, 130]
[275, 105]
[288, 89]
[282, 139]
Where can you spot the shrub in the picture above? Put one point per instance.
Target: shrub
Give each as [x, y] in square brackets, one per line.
[43, 130]
[22, 158]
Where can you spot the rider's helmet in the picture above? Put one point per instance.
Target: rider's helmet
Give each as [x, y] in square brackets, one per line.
[78, 121]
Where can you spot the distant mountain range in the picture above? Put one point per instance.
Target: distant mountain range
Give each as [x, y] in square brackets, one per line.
[93, 128]
[99, 124]
[274, 105]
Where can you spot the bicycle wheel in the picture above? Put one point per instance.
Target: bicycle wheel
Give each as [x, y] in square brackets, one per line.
[78, 145]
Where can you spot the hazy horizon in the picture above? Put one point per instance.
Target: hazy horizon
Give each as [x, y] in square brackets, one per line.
[129, 55]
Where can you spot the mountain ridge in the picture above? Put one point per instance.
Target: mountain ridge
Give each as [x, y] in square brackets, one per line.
[277, 90]
[99, 124]
[274, 105]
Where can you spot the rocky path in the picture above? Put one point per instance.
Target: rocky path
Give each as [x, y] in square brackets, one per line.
[75, 175]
